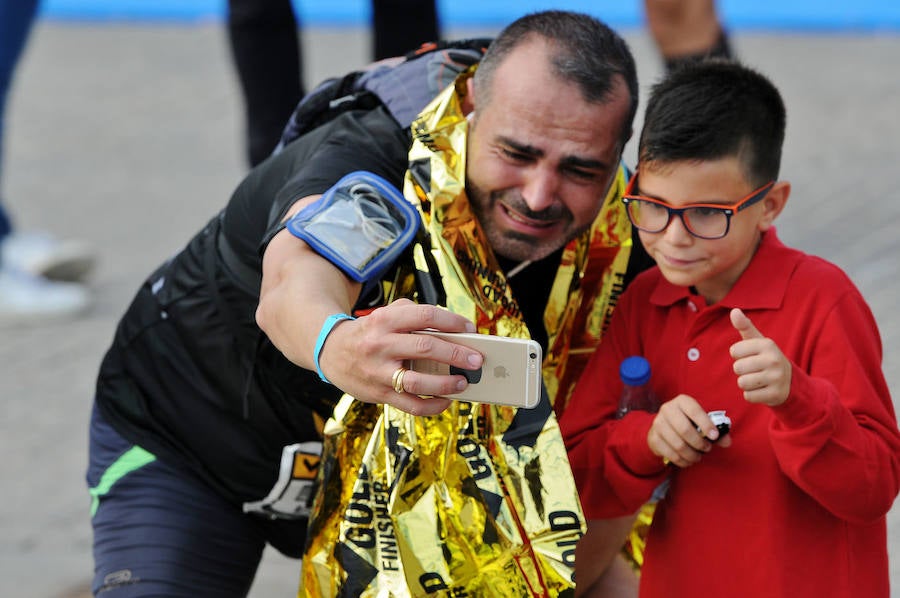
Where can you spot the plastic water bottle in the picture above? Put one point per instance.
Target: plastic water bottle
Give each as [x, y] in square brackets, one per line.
[636, 392]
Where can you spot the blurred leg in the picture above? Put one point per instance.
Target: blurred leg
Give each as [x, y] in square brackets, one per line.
[25, 296]
[16, 19]
[265, 44]
[400, 26]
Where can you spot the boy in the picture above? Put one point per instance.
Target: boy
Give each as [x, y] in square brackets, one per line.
[792, 502]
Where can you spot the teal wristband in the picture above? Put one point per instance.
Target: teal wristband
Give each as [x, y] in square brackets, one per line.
[327, 327]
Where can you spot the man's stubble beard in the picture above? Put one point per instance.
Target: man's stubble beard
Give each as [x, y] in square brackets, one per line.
[511, 245]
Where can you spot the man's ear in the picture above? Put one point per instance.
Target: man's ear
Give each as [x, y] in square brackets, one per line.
[468, 102]
[774, 203]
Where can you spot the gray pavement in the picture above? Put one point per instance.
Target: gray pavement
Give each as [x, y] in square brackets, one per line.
[130, 137]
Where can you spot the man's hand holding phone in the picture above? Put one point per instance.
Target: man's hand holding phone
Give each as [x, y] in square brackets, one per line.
[510, 374]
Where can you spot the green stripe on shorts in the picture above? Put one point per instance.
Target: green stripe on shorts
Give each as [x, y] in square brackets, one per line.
[131, 460]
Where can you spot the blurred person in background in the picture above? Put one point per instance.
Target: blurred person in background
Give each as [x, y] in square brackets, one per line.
[38, 273]
[686, 31]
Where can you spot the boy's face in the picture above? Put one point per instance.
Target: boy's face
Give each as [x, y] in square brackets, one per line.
[711, 266]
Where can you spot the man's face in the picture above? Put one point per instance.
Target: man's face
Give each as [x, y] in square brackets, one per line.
[540, 158]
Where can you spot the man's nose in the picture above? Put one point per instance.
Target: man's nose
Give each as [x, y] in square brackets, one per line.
[541, 189]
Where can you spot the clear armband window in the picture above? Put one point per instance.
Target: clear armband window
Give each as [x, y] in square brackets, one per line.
[361, 225]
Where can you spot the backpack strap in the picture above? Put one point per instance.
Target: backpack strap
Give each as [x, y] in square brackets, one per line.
[403, 84]
[406, 88]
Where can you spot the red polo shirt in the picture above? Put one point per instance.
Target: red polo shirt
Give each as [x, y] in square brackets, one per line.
[795, 508]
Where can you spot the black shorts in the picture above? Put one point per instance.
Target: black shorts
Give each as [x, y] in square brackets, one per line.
[160, 531]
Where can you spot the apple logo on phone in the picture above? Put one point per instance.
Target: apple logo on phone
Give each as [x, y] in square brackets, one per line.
[501, 372]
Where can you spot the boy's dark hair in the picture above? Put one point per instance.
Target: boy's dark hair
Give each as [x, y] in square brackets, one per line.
[715, 109]
[585, 51]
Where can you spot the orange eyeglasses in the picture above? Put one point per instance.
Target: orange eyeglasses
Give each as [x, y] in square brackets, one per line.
[703, 220]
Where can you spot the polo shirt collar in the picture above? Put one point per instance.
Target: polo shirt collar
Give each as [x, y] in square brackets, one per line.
[762, 285]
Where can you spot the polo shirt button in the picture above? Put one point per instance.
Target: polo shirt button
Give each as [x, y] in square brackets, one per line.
[693, 354]
[691, 306]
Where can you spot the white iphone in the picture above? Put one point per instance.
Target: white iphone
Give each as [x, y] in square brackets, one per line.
[510, 374]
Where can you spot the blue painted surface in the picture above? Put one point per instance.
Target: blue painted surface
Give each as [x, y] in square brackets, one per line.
[798, 15]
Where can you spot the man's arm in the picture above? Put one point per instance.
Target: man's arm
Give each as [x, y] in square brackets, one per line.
[301, 289]
[600, 571]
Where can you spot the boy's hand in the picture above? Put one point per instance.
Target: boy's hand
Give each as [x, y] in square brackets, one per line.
[674, 433]
[764, 373]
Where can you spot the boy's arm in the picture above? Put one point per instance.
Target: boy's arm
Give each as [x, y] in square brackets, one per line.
[835, 434]
[614, 469]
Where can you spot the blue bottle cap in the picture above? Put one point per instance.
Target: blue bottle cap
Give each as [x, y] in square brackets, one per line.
[634, 370]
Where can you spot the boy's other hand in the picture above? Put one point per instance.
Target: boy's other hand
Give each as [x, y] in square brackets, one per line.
[682, 432]
[763, 372]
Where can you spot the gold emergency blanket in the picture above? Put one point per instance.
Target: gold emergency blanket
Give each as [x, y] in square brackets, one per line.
[636, 542]
[479, 500]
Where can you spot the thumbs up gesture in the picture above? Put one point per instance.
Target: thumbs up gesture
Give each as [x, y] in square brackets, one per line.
[763, 372]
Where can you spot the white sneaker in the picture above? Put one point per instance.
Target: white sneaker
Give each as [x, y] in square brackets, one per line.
[25, 298]
[41, 254]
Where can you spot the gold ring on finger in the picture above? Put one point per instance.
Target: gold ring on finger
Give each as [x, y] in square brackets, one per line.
[397, 379]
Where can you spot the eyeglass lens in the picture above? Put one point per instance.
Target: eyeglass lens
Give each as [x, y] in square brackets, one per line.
[701, 221]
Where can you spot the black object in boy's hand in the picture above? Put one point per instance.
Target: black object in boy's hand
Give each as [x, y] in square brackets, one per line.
[721, 421]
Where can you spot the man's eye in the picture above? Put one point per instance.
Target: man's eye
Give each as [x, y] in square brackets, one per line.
[515, 155]
[582, 174]
[588, 175]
